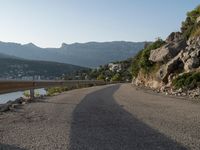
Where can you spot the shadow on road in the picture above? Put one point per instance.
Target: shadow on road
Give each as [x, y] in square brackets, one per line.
[9, 147]
[99, 123]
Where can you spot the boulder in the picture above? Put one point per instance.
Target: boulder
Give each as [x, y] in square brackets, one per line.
[169, 68]
[174, 37]
[195, 53]
[19, 100]
[167, 52]
[14, 106]
[5, 107]
[191, 63]
[175, 43]
[193, 43]
[191, 56]
[185, 56]
[194, 93]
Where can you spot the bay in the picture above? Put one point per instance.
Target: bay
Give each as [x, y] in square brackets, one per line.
[14, 95]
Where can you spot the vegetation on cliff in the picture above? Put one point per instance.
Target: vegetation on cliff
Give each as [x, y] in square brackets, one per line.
[141, 60]
[191, 27]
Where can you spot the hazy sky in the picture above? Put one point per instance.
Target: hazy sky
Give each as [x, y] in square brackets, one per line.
[48, 23]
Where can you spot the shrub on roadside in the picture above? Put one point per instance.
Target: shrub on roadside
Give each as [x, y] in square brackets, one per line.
[56, 90]
[116, 77]
[101, 77]
[27, 93]
[188, 80]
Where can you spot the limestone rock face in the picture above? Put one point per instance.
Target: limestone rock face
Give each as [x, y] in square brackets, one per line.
[187, 60]
[148, 81]
[174, 44]
[191, 55]
[198, 19]
[191, 64]
[174, 37]
[167, 69]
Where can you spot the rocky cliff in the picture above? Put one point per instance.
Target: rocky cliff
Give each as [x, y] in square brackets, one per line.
[173, 64]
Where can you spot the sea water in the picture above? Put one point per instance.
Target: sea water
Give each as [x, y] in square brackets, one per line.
[14, 95]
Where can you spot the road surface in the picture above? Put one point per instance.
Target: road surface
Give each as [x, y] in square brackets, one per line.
[111, 117]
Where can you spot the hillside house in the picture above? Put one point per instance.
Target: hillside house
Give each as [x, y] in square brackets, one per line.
[115, 67]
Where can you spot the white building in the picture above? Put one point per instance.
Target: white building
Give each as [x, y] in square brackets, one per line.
[115, 67]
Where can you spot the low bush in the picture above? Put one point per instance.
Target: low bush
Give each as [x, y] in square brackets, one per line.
[188, 80]
[27, 93]
[116, 77]
[101, 77]
[190, 25]
[135, 67]
[196, 32]
[56, 90]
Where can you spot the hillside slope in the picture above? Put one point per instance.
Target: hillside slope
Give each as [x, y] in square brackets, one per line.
[90, 54]
[12, 68]
[7, 56]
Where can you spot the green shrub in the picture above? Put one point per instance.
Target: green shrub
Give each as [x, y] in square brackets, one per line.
[27, 93]
[141, 60]
[116, 77]
[187, 80]
[56, 90]
[145, 63]
[196, 32]
[135, 67]
[101, 77]
[189, 25]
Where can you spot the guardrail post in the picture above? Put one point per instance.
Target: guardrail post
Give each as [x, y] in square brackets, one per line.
[32, 93]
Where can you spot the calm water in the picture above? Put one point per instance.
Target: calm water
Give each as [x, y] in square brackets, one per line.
[13, 96]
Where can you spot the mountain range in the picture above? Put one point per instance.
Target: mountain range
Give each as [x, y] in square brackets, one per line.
[91, 54]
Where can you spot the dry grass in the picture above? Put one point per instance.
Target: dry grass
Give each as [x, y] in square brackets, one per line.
[196, 32]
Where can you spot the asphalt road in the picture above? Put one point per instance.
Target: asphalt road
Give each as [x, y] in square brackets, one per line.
[112, 117]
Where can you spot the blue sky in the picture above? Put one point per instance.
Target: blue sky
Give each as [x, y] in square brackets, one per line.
[48, 23]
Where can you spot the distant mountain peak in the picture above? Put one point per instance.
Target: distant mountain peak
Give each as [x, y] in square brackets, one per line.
[31, 45]
[64, 45]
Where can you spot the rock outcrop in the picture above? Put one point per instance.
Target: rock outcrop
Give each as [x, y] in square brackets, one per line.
[176, 56]
[174, 44]
[168, 69]
[176, 63]
[191, 56]
[148, 81]
[188, 59]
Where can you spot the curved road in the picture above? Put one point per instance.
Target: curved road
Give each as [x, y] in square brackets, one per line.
[111, 117]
